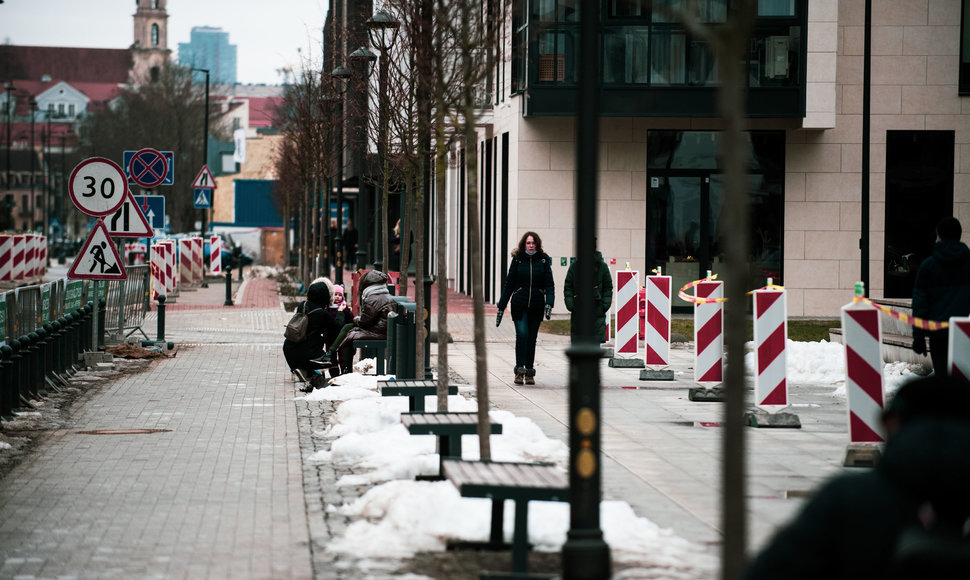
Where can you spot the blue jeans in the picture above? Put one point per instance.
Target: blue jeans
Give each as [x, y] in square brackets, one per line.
[526, 321]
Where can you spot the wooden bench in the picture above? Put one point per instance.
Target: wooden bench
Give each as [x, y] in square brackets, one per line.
[415, 390]
[519, 482]
[375, 348]
[449, 427]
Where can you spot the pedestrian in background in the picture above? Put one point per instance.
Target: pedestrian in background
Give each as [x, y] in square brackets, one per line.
[904, 519]
[531, 290]
[942, 290]
[602, 290]
[350, 246]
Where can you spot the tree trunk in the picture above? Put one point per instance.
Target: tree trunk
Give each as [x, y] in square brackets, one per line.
[441, 167]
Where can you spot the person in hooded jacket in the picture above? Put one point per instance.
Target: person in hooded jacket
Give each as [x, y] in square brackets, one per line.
[322, 330]
[531, 289]
[904, 519]
[375, 304]
[601, 289]
[942, 290]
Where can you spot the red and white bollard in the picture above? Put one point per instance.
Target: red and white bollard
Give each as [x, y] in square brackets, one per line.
[197, 260]
[6, 257]
[958, 348]
[770, 335]
[42, 256]
[215, 254]
[185, 261]
[171, 267]
[658, 320]
[709, 334]
[30, 255]
[158, 262]
[19, 255]
[862, 336]
[627, 318]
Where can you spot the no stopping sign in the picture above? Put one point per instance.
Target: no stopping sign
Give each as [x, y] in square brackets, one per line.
[97, 186]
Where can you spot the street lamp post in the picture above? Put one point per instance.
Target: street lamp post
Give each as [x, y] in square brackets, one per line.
[8, 101]
[361, 57]
[63, 193]
[32, 103]
[205, 143]
[382, 29]
[338, 78]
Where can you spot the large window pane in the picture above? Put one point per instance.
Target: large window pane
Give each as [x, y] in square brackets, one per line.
[965, 49]
[625, 55]
[668, 58]
[628, 8]
[557, 60]
[555, 10]
[776, 7]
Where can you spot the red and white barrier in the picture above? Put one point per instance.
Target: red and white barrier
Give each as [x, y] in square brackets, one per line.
[158, 262]
[19, 255]
[171, 267]
[197, 260]
[771, 360]
[6, 257]
[627, 314]
[185, 261]
[215, 254]
[135, 254]
[658, 320]
[862, 337]
[42, 256]
[30, 255]
[958, 348]
[709, 333]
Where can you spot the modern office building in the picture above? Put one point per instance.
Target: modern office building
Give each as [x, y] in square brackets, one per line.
[209, 48]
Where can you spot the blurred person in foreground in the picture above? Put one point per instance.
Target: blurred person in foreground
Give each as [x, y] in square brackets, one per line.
[905, 518]
[942, 290]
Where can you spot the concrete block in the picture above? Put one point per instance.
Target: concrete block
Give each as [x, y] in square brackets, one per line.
[781, 419]
[652, 375]
[705, 395]
[862, 454]
[626, 363]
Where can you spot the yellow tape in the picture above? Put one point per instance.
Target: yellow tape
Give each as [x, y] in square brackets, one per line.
[903, 317]
[682, 293]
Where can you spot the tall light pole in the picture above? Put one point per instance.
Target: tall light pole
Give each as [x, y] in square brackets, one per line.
[382, 28]
[32, 104]
[339, 77]
[205, 140]
[8, 101]
[362, 57]
[62, 185]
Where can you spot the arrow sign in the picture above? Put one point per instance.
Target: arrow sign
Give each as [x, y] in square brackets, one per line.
[153, 207]
[204, 179]
[203, 199]
[129, 221]
[98, 259]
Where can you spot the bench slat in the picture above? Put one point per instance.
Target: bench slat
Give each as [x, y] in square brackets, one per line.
[503, 480]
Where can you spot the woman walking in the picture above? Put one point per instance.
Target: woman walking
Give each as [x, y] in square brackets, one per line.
[531, 290]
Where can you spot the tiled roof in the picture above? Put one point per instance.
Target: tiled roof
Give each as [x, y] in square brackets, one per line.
[101, 65]
[262, 111]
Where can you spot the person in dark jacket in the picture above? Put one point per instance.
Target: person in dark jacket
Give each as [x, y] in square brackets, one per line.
[531, 289]
[375, 304]
[906, 518]
[321, 333]
[601, 289]
[942, 290]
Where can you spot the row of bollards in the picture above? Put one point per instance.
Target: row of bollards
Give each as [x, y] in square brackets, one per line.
[35, 364]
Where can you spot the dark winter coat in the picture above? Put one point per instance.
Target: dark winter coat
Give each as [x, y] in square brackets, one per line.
[375, 304]
[529, 283]
[853, 527]
[601, 288]
[322, 329]
[942, 287]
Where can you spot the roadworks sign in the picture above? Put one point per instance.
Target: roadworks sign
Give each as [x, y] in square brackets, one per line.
[98, 259]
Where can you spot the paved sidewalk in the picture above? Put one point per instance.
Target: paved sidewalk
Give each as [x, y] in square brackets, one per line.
[224, 490]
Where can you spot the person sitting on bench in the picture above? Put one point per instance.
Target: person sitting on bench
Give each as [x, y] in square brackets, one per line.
[375, 304]
[322, 331]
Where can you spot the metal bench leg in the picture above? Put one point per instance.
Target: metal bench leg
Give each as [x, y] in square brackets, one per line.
[520, 537]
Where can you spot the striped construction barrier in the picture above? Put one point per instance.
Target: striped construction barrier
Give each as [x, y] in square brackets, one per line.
[197, 258]
[171, 267]
[19, 255]
[770, 335]
[30, 255]
[135, 254]
[709, 333]
[215, 254]
[6, 257]
[185, 261]
[657, 331]
[627, 286]
[42, 256]
[158, 262]
[958, 348]
[862, 339]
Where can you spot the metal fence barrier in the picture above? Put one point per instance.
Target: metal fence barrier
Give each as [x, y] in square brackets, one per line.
[128, 303]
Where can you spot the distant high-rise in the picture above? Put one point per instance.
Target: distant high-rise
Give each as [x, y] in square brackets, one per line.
[209, 48]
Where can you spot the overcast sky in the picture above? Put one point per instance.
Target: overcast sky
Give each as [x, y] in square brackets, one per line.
[269, 34]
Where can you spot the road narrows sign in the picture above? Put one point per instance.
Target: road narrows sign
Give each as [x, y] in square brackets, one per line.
[98, 259]
[204, 179]
[129, 221]
[97, 186]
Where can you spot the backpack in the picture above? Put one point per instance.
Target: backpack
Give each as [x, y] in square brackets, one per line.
[295, 330]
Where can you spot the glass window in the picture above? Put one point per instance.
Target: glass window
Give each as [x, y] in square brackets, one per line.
[965, 49]
[707, 10]
[776, 7]
[556, 57]
[628, 8]
[555, 10]
[668, 59]
[625, 55]
[70, 110]
[60, 109]
[154, 35]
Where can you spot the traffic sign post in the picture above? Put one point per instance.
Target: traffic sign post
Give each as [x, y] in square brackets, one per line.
[97, 186]
[129, 221]
[168, 156]
[147, 167]
[153, 207]
[203, 198]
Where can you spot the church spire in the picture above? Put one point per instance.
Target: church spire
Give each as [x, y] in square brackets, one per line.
[150, 50]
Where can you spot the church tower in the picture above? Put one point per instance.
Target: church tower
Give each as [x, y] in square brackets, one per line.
[150, 51]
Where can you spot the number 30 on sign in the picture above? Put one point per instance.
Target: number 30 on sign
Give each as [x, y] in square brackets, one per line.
[97, 186]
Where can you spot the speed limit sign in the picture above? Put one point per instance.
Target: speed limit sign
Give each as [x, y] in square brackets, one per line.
[97, 186]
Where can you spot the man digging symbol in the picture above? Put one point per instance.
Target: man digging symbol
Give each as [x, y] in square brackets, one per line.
[97, 252]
